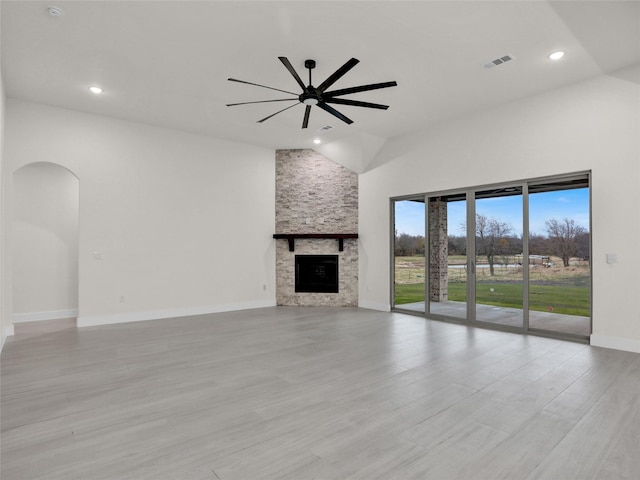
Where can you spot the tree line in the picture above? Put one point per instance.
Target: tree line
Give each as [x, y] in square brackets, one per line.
[564, 238]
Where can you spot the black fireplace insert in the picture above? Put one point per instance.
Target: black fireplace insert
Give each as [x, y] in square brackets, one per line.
[317, 273]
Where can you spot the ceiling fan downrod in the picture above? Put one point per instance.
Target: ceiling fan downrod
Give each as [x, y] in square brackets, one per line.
[310, 95]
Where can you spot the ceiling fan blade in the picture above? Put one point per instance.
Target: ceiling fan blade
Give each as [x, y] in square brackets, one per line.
[361, 88]
[305, 121]
[356, 103]
[292, 71]
[334, 112]
[263, 86]
[279, 111]
[337, 74]
[262, 101]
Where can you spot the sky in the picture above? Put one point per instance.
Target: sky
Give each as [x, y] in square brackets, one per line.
[571, 204]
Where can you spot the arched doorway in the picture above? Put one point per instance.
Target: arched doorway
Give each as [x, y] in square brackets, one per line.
[45, 243]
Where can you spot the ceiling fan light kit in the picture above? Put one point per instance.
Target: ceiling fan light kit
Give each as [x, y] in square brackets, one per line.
[319, 95]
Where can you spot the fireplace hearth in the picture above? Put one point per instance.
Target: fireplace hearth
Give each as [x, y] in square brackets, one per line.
[316, 273]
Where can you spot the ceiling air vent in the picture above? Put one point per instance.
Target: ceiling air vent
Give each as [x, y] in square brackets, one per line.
[325, 128]
[499, 61]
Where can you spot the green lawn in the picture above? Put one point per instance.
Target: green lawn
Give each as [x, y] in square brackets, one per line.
[409, 293]
[543, 298]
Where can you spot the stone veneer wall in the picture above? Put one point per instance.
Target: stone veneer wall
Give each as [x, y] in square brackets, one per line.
[438, 251]
[315, 195]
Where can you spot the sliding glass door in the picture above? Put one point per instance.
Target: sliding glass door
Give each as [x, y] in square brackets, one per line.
[409, 270]
[559, 258]
[513, 256]
[447, 254]
[498, 263]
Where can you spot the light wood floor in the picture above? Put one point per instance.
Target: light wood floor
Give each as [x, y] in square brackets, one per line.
[314, 393]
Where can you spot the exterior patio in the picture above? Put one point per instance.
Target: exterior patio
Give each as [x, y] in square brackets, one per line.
[512, 317]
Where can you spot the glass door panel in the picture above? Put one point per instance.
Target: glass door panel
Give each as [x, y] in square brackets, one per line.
[448, 255]
[409, 254]
[498, 262]
[559, 259]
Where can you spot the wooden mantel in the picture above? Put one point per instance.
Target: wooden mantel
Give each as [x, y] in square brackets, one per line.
[290, 237]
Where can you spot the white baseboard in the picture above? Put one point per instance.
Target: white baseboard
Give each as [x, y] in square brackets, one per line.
[381, 307]
[7, 331]
[95, 320]
[616, 343]
[38, 316]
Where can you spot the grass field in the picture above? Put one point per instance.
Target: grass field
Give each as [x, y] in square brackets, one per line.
[543, 298]
[556, 288]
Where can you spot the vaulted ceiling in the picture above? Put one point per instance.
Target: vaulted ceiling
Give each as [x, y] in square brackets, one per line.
[167, 63]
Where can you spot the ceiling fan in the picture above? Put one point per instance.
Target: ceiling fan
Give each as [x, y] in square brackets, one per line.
[319, 95]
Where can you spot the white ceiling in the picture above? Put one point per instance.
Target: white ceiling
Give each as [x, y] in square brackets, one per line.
[166, 63]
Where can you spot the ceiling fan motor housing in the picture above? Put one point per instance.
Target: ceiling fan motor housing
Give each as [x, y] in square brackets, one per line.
[310, 96]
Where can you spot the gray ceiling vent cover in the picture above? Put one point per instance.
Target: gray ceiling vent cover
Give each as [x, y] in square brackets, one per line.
[325, 128]
[499, 61]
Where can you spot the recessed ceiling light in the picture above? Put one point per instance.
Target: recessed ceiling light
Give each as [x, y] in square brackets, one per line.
[556, 55]
[317, 141]
[94, 89]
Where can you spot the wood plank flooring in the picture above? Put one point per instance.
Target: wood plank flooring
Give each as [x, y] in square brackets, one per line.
[314, 393]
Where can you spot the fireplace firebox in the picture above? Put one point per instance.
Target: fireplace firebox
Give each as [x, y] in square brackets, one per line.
[316, 273]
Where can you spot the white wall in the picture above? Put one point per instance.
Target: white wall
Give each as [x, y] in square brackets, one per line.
[6, 327]
[170, 223]
[44, 243]
[594, 125]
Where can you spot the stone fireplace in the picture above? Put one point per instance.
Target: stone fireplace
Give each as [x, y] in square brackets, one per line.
[316, 216]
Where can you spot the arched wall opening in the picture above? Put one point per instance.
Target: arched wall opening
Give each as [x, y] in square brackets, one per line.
[44, 243]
